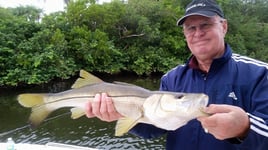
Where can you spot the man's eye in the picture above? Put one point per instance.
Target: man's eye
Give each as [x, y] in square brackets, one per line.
[205, 26]
[191, 28]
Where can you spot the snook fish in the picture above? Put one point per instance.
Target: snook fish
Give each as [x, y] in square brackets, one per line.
[166, 110]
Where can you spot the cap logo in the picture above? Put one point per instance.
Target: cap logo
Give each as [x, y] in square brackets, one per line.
[196, 5]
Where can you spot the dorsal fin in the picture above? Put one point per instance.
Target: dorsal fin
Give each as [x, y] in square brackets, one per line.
[86, 78]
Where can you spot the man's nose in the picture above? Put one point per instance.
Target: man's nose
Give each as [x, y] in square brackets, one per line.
[198, 31]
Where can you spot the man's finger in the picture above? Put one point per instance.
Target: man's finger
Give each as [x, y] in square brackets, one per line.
[88, 109]
[96, 105]
[213, 108]
[103, 108]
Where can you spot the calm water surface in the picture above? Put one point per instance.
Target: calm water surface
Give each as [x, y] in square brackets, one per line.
[59, 127]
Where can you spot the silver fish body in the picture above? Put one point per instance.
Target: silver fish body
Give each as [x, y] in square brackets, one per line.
[166, 110]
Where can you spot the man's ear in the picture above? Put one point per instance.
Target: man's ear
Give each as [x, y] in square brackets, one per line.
[225, 26]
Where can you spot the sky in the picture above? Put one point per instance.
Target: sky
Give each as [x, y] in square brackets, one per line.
[48, 6]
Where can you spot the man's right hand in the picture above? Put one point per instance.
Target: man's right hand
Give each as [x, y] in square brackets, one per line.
[103, 108]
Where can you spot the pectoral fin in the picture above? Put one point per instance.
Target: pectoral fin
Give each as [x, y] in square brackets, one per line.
[123, 125]
[77, 113]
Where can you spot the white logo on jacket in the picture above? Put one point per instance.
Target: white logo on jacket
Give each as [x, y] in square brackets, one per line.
[232, 95]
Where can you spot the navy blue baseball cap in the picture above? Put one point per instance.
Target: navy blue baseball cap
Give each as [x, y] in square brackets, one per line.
[207, 8]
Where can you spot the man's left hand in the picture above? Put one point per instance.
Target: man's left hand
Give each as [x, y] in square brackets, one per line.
[225, 121]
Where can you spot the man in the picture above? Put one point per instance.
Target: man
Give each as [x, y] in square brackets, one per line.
[237, 87]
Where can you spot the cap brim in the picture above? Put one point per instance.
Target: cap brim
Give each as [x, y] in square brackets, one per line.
[200, 13]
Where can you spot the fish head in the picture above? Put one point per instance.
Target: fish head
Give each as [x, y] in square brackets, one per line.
[183, 102]
[171, 110]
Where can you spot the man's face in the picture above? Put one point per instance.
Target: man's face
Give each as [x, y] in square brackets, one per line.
[205, 36]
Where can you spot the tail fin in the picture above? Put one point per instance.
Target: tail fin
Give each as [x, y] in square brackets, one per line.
[39, 109]
[38, 115]
[31, 100]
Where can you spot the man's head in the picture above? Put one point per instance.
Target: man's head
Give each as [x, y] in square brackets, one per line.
[204, 28]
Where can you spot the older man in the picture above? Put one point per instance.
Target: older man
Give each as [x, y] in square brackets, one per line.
[237, 87]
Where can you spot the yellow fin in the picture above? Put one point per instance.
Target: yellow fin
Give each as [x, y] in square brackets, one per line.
[30, 100]
[77, 113]
[39, 109]
[123, 125]
[86, 78]
[38, 115]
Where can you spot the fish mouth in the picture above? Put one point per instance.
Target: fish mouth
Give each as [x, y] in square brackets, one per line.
[204, 113]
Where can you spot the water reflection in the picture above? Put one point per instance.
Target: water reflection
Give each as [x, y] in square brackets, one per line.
[60, 128]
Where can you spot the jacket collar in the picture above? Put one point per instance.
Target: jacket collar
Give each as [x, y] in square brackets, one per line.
[193, 64]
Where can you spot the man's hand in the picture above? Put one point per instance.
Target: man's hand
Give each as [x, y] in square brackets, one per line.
[226, 121]
[103, 108]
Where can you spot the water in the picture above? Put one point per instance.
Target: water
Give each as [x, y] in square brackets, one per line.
[60, 128]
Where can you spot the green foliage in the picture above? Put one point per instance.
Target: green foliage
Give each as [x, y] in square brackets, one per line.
[41, 58]
[137, 36]
[29, 13]
[247, 27]
[94, 50]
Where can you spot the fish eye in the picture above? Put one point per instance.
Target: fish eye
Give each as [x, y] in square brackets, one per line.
[179, 96]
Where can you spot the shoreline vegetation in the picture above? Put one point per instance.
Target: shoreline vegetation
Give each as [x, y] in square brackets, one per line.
[55, 82]
[119, 38]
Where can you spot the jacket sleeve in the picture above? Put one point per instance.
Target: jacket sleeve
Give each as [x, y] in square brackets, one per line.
[257, 137]
[147, 131]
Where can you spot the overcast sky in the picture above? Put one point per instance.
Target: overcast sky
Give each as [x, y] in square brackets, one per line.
[47, 5]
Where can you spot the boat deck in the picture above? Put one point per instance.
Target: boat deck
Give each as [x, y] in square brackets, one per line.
[48, 146]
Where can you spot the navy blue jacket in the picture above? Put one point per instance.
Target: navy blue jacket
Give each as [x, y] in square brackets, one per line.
[232, 79]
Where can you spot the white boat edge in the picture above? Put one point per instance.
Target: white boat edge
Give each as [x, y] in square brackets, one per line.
[48, 146]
